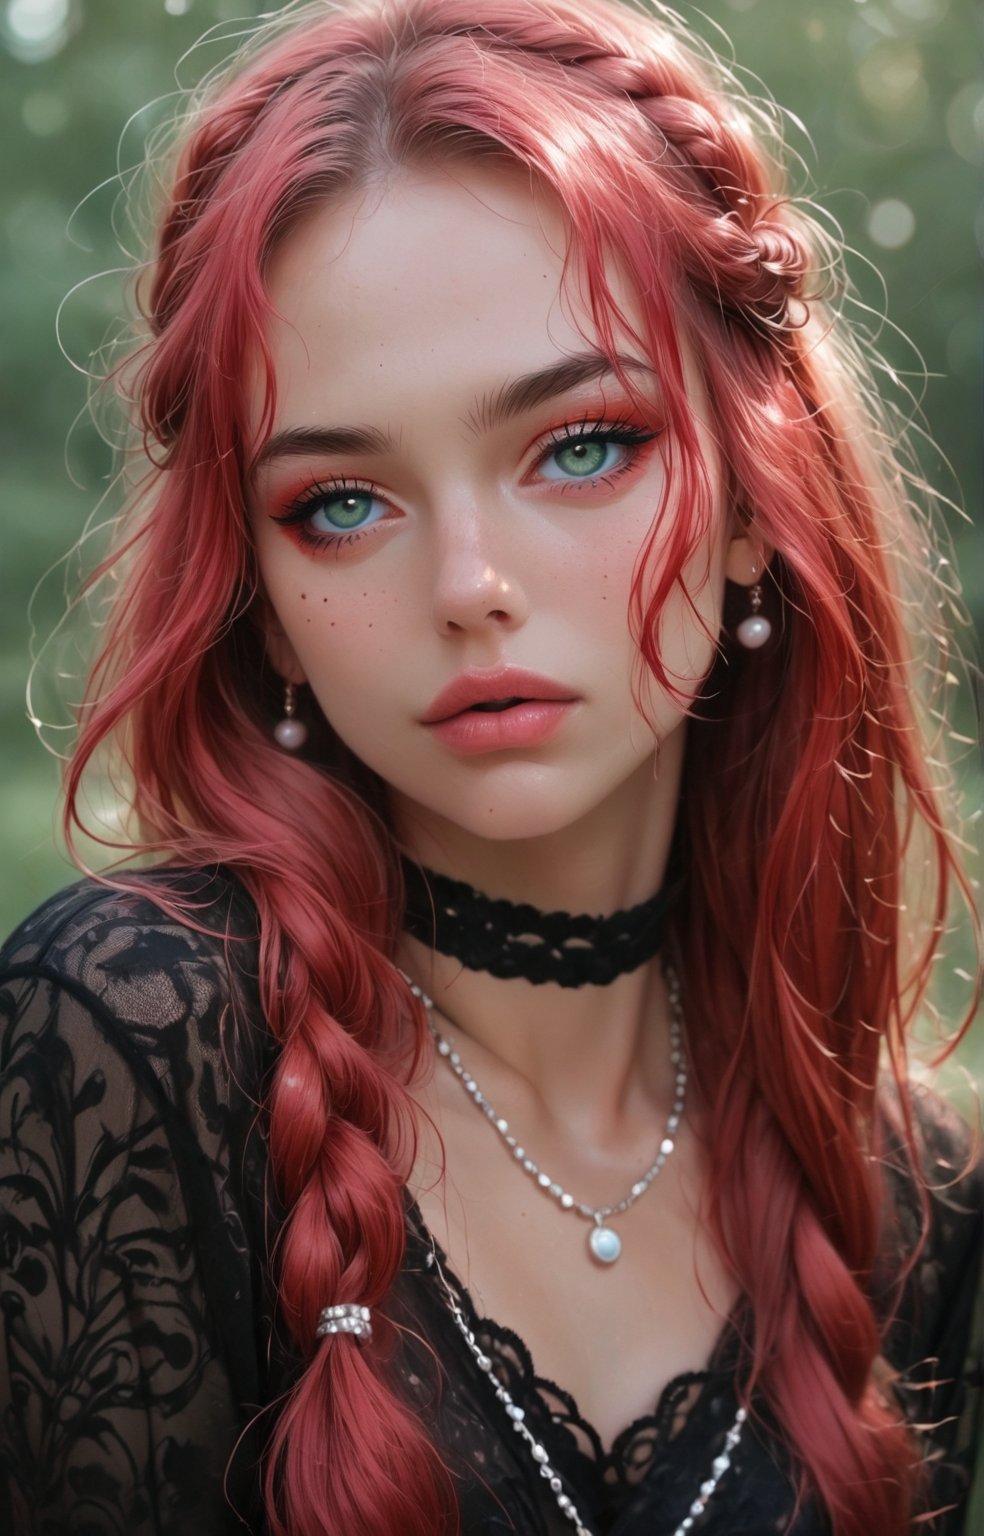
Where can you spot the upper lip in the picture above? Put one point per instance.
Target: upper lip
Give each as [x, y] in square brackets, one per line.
[491, 687]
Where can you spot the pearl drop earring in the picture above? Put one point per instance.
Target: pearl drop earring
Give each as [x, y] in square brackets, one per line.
[290, 733]
[754, 631]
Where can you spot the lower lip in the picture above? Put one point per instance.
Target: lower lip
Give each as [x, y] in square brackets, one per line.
[524, 725]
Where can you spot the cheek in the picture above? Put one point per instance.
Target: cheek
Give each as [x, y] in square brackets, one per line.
[691, 620]
[352, 677]
[595, 574]
[342, 634]
[341, 643]
[688, 628]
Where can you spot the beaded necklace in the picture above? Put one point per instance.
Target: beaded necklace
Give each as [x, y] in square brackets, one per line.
[515, 1413]
[604, 1243]
[538, 1452]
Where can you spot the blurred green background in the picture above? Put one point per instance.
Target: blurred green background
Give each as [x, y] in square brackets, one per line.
[889, 94]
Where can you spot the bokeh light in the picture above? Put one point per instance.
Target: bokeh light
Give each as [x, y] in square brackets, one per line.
[891, 223]
[891, 78]
[34, 30]
[965, 123]
[929, 11]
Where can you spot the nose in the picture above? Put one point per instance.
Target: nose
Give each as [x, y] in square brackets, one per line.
[475, 588]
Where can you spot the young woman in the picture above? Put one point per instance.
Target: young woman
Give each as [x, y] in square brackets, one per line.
[491, 1113]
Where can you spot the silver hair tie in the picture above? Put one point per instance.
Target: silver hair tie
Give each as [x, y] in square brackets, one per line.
[347, 1317]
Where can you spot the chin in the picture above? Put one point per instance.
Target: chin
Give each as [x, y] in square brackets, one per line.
[515, 824]
[522, 812]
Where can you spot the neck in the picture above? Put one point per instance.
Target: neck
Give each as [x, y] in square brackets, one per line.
[590, 1058]
[588, 1062]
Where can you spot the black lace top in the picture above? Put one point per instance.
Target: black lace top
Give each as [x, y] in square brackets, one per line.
[138, 1345]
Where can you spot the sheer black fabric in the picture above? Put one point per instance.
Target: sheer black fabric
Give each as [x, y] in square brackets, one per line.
[138, 1341]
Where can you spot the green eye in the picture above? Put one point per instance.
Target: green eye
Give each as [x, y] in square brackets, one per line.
[345, 509]
[583, 459]
[330, 514]
[587, 455]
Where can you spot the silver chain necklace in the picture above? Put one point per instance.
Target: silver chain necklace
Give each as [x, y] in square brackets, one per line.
[540, 1455]
[604, 1243]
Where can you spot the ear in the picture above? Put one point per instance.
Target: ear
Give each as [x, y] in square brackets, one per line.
[282, 655]
[746, 559]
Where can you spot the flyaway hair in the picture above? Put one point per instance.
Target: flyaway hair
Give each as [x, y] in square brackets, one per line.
[806, 786]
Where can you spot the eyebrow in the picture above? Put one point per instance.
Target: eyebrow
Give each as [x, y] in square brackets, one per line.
[532, 389]
[511, 399]
[297, 442]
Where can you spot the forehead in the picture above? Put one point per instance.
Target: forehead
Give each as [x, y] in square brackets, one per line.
[446, 279]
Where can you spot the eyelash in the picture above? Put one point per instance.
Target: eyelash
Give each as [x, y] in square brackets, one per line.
[621, 433]
[302, 508]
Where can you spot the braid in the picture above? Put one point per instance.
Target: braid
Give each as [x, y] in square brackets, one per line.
[752, 257]
[747, 252]
[339, 1145]
[341, 1148]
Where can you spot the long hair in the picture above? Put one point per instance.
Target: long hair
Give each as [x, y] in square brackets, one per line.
[805, 782]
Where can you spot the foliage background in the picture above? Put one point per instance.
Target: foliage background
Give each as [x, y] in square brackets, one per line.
[888, 91]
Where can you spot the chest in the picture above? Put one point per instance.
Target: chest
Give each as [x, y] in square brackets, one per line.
[609, 1335]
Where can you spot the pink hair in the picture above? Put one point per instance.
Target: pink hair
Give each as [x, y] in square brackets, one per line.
[805, 779]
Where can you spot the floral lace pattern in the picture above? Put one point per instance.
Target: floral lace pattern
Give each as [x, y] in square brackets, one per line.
[137, 1343]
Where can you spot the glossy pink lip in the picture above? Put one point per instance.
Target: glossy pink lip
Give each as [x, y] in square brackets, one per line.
[528, 723]
[491, 687]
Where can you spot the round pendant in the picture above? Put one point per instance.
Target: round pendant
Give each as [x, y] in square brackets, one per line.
[605, 1244]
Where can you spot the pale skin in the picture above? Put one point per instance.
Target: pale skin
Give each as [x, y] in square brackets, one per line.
[483, 544]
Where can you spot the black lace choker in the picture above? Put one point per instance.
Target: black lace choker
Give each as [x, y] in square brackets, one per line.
[511, 939]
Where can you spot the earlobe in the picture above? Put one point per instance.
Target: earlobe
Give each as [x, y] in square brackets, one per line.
[746, 560]
[284, 660]
[283, 657]
[745, 565]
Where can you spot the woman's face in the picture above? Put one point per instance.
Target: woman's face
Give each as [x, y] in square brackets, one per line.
[450, 509]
